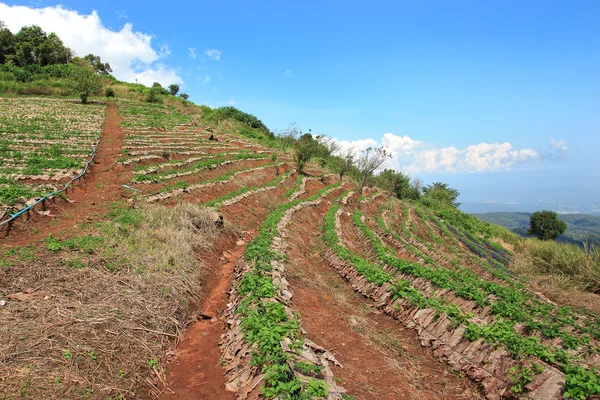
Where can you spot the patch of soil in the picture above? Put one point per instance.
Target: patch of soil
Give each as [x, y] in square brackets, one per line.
[88, 199]
[380, 358]
[195, 372]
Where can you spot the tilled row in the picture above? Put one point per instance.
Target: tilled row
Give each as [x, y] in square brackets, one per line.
[294, 354]
[481, 361]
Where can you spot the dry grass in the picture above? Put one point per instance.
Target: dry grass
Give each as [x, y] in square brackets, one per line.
[563, 272]
[100, 325]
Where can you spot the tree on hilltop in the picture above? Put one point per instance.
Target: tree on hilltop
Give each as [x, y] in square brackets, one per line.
[367, 162]
[174, 89]
[97, 65]
[545, 225]
[439, 194]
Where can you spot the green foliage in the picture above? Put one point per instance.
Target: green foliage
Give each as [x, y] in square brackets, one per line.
[109, 92]
[173, 89]
[97, 65]
[85, 83]
[521, 375]
[265, 323]
[32, 46]
[439, 195]
[305, 148]
[224, 113]
[184, 96]
[398, 184]
[545, 225]
[582, 229]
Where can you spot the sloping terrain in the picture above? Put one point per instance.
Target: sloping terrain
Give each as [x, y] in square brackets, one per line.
[581, 228]
[187, 265]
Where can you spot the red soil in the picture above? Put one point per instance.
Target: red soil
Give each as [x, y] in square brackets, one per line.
[196, 372]
[380, 359]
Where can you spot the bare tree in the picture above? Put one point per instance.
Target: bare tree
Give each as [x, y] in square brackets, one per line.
[345, 162]
[285, 140]
[368, 162]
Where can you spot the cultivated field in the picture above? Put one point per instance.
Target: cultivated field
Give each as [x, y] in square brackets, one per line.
[217, 273]
[43, 144]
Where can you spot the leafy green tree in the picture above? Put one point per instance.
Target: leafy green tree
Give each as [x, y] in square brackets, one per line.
[85, 82]
[174, 89]
[184, 96]
[28, 42]
[305, 148]
[545, 225]
[97, 65]
[157, 87]
[7, 44]
[398, 184]
[440, 195]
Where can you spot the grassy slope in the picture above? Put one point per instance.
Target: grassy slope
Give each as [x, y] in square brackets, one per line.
[580, 227]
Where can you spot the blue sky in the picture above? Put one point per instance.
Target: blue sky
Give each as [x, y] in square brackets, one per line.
[500, 99]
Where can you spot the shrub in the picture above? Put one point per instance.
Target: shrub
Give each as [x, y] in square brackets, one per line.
[85, 82]
[173, 89]
[153, 95]
[184, 96]
[109, 92]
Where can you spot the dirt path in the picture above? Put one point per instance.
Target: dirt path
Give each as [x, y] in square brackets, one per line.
[196, 372]
[380, 359]
[89, 199]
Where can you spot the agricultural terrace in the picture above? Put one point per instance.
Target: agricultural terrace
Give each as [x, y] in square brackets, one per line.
[43, 144]
[170, 156]
[455, 288]
[297, 285]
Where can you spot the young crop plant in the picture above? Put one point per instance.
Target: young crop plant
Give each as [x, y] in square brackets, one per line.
[44, 139]
[265, 323]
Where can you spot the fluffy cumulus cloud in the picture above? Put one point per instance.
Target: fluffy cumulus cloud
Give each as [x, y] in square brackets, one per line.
[214, 54]
[130, 53]
[414, 156]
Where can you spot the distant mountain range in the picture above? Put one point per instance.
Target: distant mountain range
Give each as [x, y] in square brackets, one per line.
[581, 228]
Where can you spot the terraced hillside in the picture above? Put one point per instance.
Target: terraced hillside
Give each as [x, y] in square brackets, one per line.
[189, 265]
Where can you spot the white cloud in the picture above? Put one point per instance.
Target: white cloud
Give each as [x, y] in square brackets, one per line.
[414, 156]
[288, 72]
[232, 102]
[214, 54]
[164, 51]
[121, 14]
[129, 53]
[193, 54]
[206, 79]
[559, 144]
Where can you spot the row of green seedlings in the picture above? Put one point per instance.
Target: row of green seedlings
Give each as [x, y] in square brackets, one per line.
[426, 251]
[509, 308]
[265, 323]
[552, 322]
[185, 187]
[196, 167]
[490, 265]
[586, 322]
[497, 256]
[232, 196]
[520, 306]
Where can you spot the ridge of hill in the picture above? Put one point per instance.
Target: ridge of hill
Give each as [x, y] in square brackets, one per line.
[581, 228]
